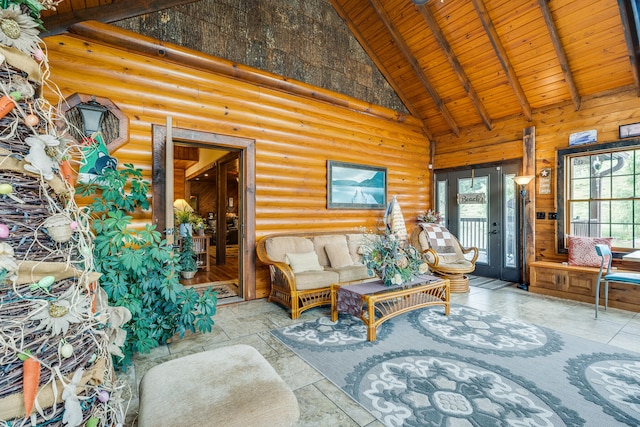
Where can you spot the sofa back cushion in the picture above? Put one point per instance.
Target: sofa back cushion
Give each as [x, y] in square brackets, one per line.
[278, 247]
[338, 254]
[301, 262]
[319, 243]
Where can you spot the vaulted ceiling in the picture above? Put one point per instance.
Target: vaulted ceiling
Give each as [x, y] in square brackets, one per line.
[459, 63]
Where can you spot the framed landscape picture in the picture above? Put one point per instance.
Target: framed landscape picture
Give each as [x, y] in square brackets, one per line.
[353, 186]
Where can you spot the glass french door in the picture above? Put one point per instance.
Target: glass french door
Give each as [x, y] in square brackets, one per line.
[480, 208]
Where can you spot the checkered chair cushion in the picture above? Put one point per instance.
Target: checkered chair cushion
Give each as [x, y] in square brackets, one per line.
[440, 239]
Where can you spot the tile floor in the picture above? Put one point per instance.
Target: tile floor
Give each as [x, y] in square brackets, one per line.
[322, 403]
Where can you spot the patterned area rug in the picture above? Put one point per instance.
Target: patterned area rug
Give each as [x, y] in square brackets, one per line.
[472, 369]
[226, 289]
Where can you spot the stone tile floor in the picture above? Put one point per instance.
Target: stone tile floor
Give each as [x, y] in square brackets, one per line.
[322, 403]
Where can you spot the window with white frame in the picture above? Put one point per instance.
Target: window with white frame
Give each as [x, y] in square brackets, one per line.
[603, 194]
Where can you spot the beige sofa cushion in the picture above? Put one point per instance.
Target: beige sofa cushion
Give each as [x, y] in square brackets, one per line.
[316, 279]
[338, 254]
[319, 243]
[352, 273]
[278, 247]
[300, 263]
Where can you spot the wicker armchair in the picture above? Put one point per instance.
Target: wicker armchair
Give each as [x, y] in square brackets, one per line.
[444, 254]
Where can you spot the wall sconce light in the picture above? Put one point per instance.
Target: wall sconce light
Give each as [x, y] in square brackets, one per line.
[86, 114]
[522, 181]
[92, 114]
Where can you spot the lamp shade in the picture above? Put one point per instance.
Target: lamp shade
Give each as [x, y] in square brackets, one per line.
[182, 205]
[92, 115]
[523, 179]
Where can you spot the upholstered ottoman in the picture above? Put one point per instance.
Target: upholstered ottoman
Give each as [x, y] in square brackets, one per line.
[229, 386]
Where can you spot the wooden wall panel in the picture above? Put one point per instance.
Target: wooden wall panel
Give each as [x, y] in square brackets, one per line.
[295, 135]
[553, 127]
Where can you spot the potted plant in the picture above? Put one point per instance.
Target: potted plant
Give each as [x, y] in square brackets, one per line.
[199, 225]
[188, 264]
[184, 220]
[139, 268]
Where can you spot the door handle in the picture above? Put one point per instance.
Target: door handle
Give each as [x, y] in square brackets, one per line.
[493, 232]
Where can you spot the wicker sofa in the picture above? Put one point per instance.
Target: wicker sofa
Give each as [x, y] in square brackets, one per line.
[304, 265]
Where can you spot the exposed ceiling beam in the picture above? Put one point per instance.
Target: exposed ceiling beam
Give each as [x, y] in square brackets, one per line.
[413, 62]
[455, 64]
[501, 53]
[562, 57]
[629, 27]
[374, 57]
[58, 23]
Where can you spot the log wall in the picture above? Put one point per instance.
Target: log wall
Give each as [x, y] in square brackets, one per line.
[295, 134]
[553, 126]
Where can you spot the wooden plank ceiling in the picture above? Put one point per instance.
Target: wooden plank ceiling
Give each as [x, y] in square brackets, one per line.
[460, 63]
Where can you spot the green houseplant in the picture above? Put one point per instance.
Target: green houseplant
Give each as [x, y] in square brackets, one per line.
[188, 264]
[184, 221]
[139, 269]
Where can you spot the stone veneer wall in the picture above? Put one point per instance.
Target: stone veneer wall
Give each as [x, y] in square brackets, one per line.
[304, 40]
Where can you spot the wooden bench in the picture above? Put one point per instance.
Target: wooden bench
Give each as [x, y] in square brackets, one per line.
[579, 283]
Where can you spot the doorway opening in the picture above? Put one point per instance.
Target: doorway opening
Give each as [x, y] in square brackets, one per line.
[480, 207]
[214, 175]
[207, 178]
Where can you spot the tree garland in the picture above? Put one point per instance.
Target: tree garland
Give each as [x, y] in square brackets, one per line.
[54, 318]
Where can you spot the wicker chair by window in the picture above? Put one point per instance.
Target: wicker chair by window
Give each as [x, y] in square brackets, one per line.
[444, 254]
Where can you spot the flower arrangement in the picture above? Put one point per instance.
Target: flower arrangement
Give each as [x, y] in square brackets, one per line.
[393, 260]
[20, 23]
[430, 216]
[199, 223]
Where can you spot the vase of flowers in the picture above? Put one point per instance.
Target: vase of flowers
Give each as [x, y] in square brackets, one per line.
[394, 261]
[431, 216]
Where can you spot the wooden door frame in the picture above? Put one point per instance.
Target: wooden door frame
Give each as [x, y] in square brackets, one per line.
[246, 149]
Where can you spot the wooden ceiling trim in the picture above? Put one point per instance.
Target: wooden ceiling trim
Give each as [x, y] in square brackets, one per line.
[489, 28]
[562, 57]
[628, 26]
[455, 64]
[413, 62]
[116, 11]
[376, 60]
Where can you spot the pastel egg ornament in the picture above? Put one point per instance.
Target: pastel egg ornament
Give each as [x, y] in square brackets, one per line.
[65, 350]
[32, 120]
[4, 231]
[38, 55]
[103, 396]
[6, 188]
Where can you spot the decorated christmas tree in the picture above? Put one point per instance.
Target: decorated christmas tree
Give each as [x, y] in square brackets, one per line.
[57, 332]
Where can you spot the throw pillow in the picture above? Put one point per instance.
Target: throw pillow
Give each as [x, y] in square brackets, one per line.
[338, 254]
[300, 263]
[582, 250]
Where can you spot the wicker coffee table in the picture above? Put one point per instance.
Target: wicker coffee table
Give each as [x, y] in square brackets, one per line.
[375, 303]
